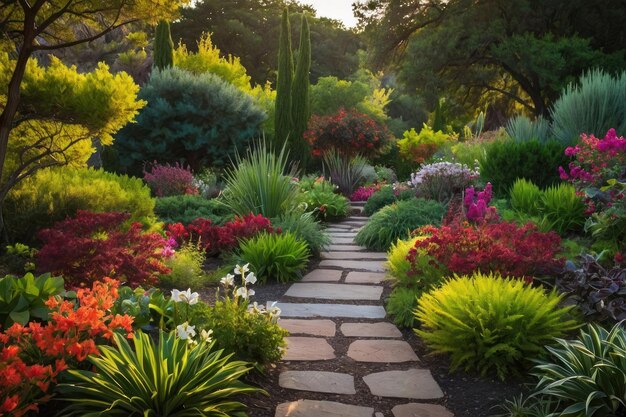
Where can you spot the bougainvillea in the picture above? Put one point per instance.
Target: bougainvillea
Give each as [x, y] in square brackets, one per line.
[349, 132]
[166, 180]
[92, 245]
[476, 204]
[503, 248]
[31, 357]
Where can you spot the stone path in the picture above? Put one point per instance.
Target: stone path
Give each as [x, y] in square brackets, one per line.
[336, 317]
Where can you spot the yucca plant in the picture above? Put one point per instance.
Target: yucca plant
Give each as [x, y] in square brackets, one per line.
[522, 129]
[280, 257]
[587, 375]
[489, 323]
[347, 173]
[168, 379]
[260, 183]
[563, 208]
[525, 197]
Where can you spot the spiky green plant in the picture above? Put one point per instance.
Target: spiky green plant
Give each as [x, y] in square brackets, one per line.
[163, 46]
[283, 123]
[300, 101]
[525, 197]
[523, 129]
[304, 227]
[347, 173]
[563, 208]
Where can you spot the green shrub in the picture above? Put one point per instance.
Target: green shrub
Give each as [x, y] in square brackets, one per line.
[523, 129]
[401, 305]
[52, 195]
[593, 106]
[304, 227]
[383, 197]
[186, 266]
[347, 173]
[385, 174]
[169, 377]
[187, 208]
[489, 323]
[275, 257]
[320, 198]
[507, 161]
[397, 221]
[260, 183]
[563, 208]
[525, 197]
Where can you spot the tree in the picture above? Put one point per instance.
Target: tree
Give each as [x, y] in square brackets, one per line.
[163, 46]
[283, 116]
[300, 101]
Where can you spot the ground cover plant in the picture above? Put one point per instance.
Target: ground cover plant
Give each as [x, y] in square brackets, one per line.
[187, 208]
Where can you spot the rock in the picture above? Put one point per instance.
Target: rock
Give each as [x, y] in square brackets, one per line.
[335, 291]
[356, 277]
[382, 329]
[317, 381]
[414, 383]
[310, 408]
[351, 255]
[420, 410]
[384, 351]
[326, 328]
[324, 275]
[372, 266]
[332, 310]
[307, 349]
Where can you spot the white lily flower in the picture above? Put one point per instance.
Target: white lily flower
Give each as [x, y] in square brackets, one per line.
[241, 270]
[241, 292]
[176, 296]
[251, 278]
[251, 293]
[228, 281]
[255, 308]
[206, 336]
[187, 296]
[185, 331]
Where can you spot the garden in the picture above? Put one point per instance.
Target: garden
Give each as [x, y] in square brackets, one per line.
[173, 173]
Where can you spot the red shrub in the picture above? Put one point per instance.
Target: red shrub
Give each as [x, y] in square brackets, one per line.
[92, 245]
[504, 247]
[166, 180]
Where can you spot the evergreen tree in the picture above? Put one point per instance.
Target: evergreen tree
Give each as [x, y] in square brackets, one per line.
[283, 115]
[300, 102]
[163, 46]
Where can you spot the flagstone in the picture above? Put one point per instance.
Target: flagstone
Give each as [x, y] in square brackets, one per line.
[356, 277]
[332, 310]
[341, 240]
[335, 291]
[351, 255]
[413, 383]
[307, 349]
[310, 408]
[381, 351]
[325, 328]
[325, 275]
[420, 410]
[381, 329]
[317, 381]
[346, 248]
[372, 266]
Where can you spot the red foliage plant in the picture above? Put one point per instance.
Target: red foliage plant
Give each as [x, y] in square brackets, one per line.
[216, 239]
[166, 180]
[31, 357]
[505, 248]
[92, 245]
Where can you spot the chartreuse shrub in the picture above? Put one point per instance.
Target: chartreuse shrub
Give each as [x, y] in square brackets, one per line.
[304, 227]
[54, 194]
[23, 299]
[489, 323]
[279, 257]
[185, 267]
[187, 208]
[397, 221]
[420, 147]
[168, 378]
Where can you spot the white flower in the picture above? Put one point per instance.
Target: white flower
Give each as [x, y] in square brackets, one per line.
[241, 292]
[228, 280]
[251, 278]
[176, 296]
[185, 331]
[241, 270]
[206, 336]
[251, 293]
[255, 308]
[273, 310]
[188, 297]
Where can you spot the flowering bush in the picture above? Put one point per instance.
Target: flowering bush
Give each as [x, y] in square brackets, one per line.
[320, 198]
[441, 180]
[476, 205]
[503, 248]
[364, 193]
[31, 357]
[165, 179]
[349, 132]
[92, 245]
[419, 147]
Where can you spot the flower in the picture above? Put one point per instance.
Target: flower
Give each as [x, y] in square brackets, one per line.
[206, 336]
[251, 278]
[244, 293]
[241, 270]
[255, 308]
[185, 296]
[228, 280]
[185, 331]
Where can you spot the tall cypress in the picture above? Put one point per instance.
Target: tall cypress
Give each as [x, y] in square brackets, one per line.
[283, 118]
[300, 103]
[163, 55]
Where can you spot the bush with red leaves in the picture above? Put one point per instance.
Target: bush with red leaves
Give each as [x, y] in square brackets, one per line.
[504, 248]
[90, 246]
[167, 180]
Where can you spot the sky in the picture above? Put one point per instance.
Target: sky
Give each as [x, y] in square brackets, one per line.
[335, 9]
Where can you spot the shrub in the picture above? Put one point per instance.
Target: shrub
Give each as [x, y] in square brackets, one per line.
[320, 198]
[90, 246]
[304, 227]
[420, 147]
[19, 258]
[52, 195]
[503, 248]
[509, 160]
[609, 226]
[23, 299]
[525, 197]
[488, 323]
[196, 118]
[282, 257]
[476, 205]
[166, 180]
[586, 376]
[523, 129]
[260, 184]
[363, 193]
[401, 305]
[385, 196]
[348, 132]
[385, 174]
[187, 208]
[347, 173]
[185, 267]
[563, 208]
[151, 377]
[397, 221]
[442, 180]
[595, 105]
[206, 181]
[397, 263]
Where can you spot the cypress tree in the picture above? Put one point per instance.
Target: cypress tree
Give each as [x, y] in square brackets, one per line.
[300, 104]
[283, 121]
[163, 55]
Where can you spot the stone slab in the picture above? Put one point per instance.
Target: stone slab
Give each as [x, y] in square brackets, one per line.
[339, 226]
[351, 255]
[326, 328]
[381, 351]
[310, 408]
[323, 275]
[341, 240]
[382, 329]
[414, 383]
[356, 277]
[420, 410]
[341, 232]
[331, 310]
[307, 349]
[372, 266]
[335, 291]
[317, 381]
[347, 248]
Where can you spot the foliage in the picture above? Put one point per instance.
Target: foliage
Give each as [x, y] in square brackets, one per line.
[503, 248]
[168, 377]
[586, 376]
[385, 174]
[563, 208]
[401, 305]
[364, 193]
[489, 323]
[525, 196]
[397, 221]
[598, 292]
[320, 198]
[348, 132]
[196, 118]
[34, 355]
[442, 180]
[397, 263]
[185, 267]
[187, 208]
[609, 226]
[275, 257]
[594, 105]
[283, 115]
[19, 258]
[346, 172]
[522, 129]
[385, 196]
[166, 180]
[420, 147]
[507, 161]
[24, 299]
[300, 100]
[163, 46]
[304, 227]
[207, 183]
[260, 183]
[89, 246]
[473, 152]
